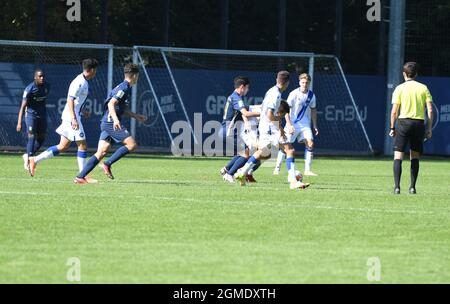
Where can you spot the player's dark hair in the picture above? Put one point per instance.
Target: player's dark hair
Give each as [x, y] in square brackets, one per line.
[90, 63]
[304, 76]
[241, 80]
[284, 107]
[131, 69]
[38, 70]
[282, 77]
[411, 69]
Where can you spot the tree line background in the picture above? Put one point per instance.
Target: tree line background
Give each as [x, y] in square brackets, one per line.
[335, 27]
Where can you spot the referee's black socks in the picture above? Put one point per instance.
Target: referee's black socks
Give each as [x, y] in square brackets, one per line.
[397, 172]
[414, 172]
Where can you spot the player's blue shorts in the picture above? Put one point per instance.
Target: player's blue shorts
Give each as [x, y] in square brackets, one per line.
[109, 134]
[36, 124]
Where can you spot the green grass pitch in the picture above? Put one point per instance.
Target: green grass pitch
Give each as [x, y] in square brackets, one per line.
[168, 220]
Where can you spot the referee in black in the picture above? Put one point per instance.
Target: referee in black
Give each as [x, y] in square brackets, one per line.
[410, 101]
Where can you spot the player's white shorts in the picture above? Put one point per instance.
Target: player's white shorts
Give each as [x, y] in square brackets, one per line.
[249, 137]
[301, 133]
[268, 140]
[66, 130]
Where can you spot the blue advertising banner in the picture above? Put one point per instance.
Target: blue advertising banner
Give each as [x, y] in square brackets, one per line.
[206, 91]
[15, 77]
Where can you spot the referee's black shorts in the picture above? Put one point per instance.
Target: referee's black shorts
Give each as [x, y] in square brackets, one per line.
[410, 131]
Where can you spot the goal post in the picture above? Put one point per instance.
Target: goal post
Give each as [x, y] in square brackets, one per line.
[177, 86]
[199, 80]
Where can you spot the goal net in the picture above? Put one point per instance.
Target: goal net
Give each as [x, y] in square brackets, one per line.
[182, 82]
[182, 91]
[61, 63]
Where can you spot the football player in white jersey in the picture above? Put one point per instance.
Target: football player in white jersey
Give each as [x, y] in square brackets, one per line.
[303, 110]
[273, 109]
[71, 128]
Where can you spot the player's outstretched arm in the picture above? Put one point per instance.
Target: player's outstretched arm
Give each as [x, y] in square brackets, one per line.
[19, 119]
[249, 114]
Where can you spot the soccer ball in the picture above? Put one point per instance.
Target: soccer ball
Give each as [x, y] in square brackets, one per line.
[298, 176]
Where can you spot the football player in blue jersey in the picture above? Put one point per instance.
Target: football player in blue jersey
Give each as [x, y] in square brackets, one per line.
[112, 130]
[235, 113]
[33, 105]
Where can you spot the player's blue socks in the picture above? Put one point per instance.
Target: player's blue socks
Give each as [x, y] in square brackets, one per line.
[30, 145]
[54, 150]
[82, 154]
[257, 165]
[239, 163]
[90, 165]
[249, 165]
[252, 160]
[231, 162]
[121, 152]
[290, 164]
[38, 144]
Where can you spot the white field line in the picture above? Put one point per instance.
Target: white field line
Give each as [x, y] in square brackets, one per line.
[226, 202]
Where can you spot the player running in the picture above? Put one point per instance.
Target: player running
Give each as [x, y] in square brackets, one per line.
[236, 115]
[303, 109]
[272, 111]
[112, 129]
[71, 128]
[33, 104]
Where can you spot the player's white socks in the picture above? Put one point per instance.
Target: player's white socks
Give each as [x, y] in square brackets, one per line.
[49, 153]
[249, 165]
[280, 158]
[308, 159]
[82, 159]
[290, 164]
